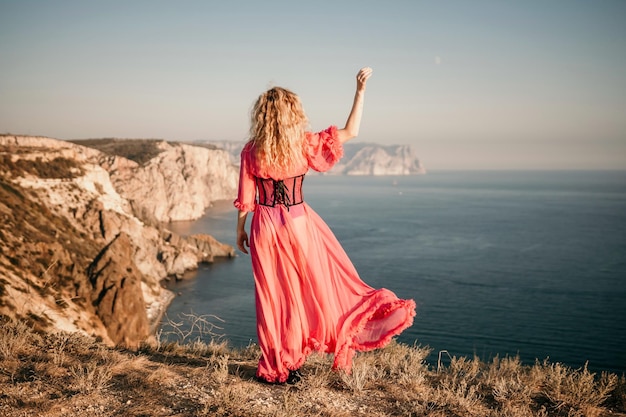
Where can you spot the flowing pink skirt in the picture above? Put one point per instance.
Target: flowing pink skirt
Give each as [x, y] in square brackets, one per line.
[310, 297]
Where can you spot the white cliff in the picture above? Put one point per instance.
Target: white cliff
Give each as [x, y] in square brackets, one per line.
[180, 183]
[374, 159]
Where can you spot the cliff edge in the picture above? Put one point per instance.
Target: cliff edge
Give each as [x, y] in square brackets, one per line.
[167, 181]
[83, 247]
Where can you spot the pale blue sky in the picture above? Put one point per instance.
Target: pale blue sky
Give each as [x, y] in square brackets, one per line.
[470, 84]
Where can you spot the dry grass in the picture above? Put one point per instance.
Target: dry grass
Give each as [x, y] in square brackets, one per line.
[58, 167]
[138, 150]
[581, 391]
[60, 374]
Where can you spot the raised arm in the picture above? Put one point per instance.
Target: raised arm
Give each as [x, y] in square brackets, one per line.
[351, 130]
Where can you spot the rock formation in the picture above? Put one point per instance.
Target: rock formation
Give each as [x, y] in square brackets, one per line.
[116, 283]
[178, 182]
[374, 159]
[82, 247]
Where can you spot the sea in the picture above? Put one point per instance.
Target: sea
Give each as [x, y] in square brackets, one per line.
[499, 263]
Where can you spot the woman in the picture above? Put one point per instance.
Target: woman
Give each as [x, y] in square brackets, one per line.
[309, 297]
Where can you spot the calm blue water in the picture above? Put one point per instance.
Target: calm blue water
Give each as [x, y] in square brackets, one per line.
[499, 263]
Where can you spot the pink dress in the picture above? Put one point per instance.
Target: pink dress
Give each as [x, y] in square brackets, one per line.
[308, 294]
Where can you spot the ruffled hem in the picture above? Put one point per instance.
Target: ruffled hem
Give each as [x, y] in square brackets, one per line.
[243, 206]
[280, 378]
[375, 308]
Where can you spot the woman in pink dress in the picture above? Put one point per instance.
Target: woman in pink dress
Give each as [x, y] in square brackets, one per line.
[309, 297]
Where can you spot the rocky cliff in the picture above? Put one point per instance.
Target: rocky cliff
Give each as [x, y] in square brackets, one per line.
[359, 158]
[167, 180]
[82, 248]
[373, 159]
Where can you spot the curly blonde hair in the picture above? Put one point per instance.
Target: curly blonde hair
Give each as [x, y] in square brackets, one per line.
[277, 129]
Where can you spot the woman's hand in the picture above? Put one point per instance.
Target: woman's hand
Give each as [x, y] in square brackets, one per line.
[242, 241]
[242, 236]
[361, 78]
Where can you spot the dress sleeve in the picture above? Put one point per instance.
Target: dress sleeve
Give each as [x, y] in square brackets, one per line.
[247, 188]
[323, 149]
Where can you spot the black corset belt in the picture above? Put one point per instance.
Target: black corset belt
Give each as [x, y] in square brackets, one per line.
[287, 192]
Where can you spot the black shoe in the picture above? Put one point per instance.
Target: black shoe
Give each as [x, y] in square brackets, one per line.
[294, 377]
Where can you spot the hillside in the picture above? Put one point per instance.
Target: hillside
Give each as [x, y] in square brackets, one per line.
[83, 246]
[61, 374]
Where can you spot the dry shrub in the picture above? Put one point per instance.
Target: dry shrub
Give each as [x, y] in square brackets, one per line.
[14, 337]
[577, 391]
[503, 368]
[459, 388]
[218, 368]
[80, 355]
[404, 364]
[172, 348]
[189, 334]
[90, 377]
[364, 371]
[512, 386]
[514, 396]
[161, 376]
[232, 400]
[200, 348]
[58, 346]
[251, 352]
[461, 396]
[319, 374]
[464, 369]
[397, 363]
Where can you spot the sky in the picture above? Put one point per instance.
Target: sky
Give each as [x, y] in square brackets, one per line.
[469, 84]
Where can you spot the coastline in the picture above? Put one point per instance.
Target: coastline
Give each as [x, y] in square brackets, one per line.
[157, 309]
